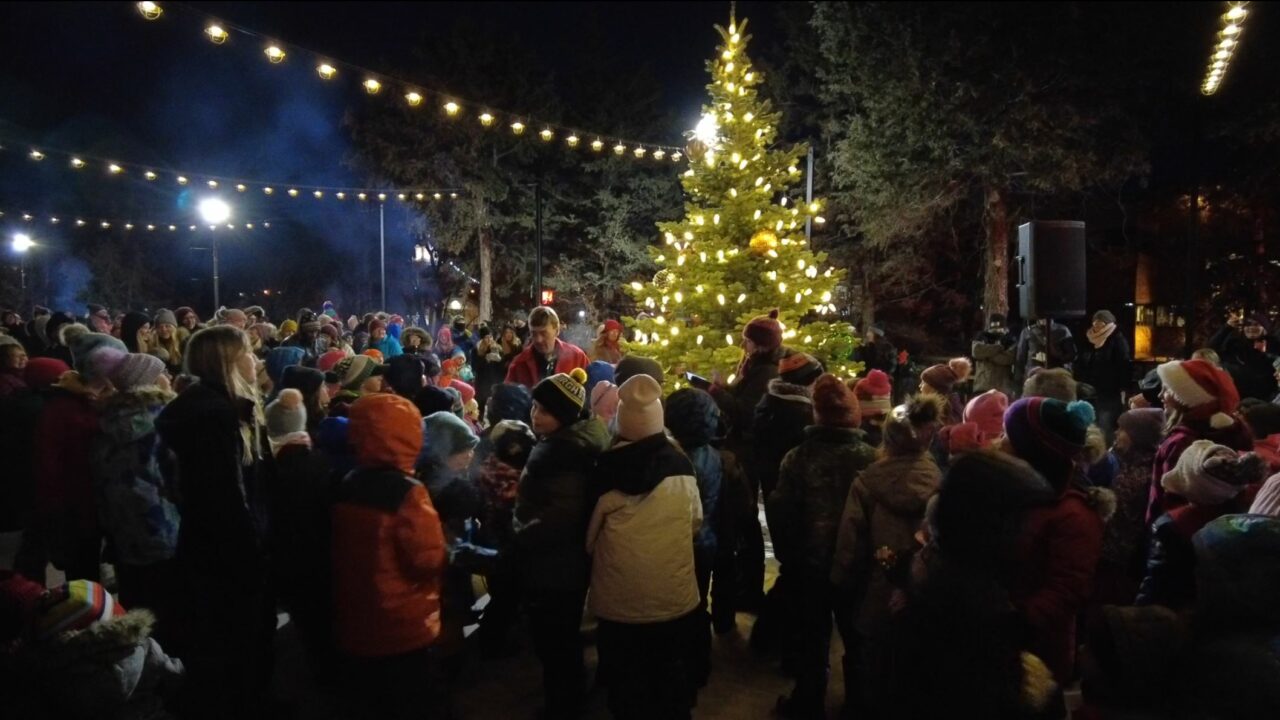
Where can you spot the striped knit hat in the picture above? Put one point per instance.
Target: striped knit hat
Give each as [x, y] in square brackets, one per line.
[563, 395]
[873, 393]
[1048, 434]
[75, 606]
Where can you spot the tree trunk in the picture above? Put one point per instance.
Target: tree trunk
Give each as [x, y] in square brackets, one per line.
[868, 303]
[995, 290]
[486, 274]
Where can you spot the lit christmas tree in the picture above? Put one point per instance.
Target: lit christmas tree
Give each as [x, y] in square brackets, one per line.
[740, 250]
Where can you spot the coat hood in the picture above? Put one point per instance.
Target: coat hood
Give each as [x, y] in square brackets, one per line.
[1238, 570]
[590, 435]
[782, 390]
[131, 415]
[904, 484]
[385, 432]
[636, 468]
[693, 418]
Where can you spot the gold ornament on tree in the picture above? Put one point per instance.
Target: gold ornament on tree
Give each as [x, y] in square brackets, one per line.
[763, 241]
[664, 279]
[696, 150]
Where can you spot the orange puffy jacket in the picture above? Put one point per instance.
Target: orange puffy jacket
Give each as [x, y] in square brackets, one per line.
[388, 546]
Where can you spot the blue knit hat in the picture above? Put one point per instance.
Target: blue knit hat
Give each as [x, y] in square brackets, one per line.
[280, 358]
[95, 355]
[447, 435]
[597, 371]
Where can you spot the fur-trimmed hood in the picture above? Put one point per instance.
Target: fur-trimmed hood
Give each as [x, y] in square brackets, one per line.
[129, 415]
[123, 632]
[789, 392]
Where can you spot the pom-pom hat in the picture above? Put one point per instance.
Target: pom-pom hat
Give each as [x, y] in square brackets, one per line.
[765, 331]
[874, 393]
[1207, 393]
[563, 395]
[942, 377]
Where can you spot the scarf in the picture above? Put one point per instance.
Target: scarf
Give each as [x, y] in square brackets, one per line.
[1100, 338]
[294, 438]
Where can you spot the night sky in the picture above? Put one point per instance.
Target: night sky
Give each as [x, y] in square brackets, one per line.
[97, 78]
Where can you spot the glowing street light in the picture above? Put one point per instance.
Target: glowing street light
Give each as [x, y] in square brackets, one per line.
[22, 243]
[214, 211]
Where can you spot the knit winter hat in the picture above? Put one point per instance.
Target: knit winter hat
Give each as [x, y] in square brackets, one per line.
[1048, 434]
[563, 396]
[508, 401]
[432, 399]
[604, 401]
[799, 368]
[385, 431]
[765, 331]
[597, 371]
[78, 605]
[286, 414]
[910, 428]
[335, 336]
[282, 357]
[303, 379]
[873, 393]
[639, 408]
[100, 363]
[289, 328]
[611, 324]
[512, 442]
[1144, 426]
[1210, 474]
[1105, 316]
[165, 317]
[85, 345]
[43, 372]
[353, 371]
[964, 437]
[834, 404]
[182, 312]
[136, 370]
[1207, 392]
[1263, 418]
[942, 377]
[633, 365]
[987, 412]
[446, 436]
[376, 325]
[330, 360]
[405, 374]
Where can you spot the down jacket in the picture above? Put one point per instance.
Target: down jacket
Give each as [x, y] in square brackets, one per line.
[696, 427]
[640, 536]
[135, 504]
[553, 503]
[804, 510]
[881, 515]
[779, 425]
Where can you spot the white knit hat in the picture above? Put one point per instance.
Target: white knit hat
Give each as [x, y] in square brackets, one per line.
[1209, 474]
[639, 408]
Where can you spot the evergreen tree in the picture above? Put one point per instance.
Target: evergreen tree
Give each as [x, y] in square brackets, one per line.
[740, 250]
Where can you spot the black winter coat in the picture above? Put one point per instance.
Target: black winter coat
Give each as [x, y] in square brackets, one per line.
[1251, 368]
[301, 486]
[779, 426]
[1106, 368]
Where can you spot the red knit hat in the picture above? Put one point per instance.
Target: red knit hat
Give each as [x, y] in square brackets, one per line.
[1207, 392]
[612, 324]
[943, 377]
[873, 393]
[765, 331]
[43, 372]
[376, 324]
[328, 360]
[986, 412]
[834, 404]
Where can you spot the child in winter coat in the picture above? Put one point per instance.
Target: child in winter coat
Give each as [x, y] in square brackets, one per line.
[1121, 562]
[551, 512]
[875, 392]
[1060, 544]
[880, 517]
[1200, 402]
[388, 560]
[804, 513]
[1215, 481]
[643, 584]
[136, 502]
[74, 650]
[301, 487]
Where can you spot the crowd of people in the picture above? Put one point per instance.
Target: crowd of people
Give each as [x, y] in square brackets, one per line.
[1028, 519]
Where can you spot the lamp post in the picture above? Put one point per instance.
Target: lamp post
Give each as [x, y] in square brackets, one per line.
[21, 244]
[215, 211]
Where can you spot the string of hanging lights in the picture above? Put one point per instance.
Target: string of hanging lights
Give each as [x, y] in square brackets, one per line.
[153, 173]
[87, 221]
[1225, 48]
[415, 95]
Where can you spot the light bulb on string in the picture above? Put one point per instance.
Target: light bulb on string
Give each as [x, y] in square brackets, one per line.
[77, 163]
[216, 34]
[182, 180]
[517, 128]
[572, 141]
[150, 10]
[149, 175]
[372, 86]
[547, 135]
[213, 184]
[619, 149]
[240, 187]
[486, 119]
[326, 71]
[318, 194]
[413, 97]
[659, 154]
[36, 155]
[639, 152]
[268, 190]
[451, 108]
[274, 54]
[293, 192]
[340, 195]
[597, 145]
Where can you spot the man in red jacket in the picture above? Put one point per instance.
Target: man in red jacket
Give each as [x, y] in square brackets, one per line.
[547, 354]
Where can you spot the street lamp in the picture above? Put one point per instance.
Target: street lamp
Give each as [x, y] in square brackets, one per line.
[214, 211]
[21, 243]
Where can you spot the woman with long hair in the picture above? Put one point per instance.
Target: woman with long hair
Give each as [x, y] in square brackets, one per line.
[214, 430]
[167, 344]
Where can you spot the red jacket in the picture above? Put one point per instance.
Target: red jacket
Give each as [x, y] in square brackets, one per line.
[63, 439]
[524, 367]
[1057, 555]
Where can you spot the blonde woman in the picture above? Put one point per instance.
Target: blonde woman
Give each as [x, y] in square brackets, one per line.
[213, 429]
[167, 345]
